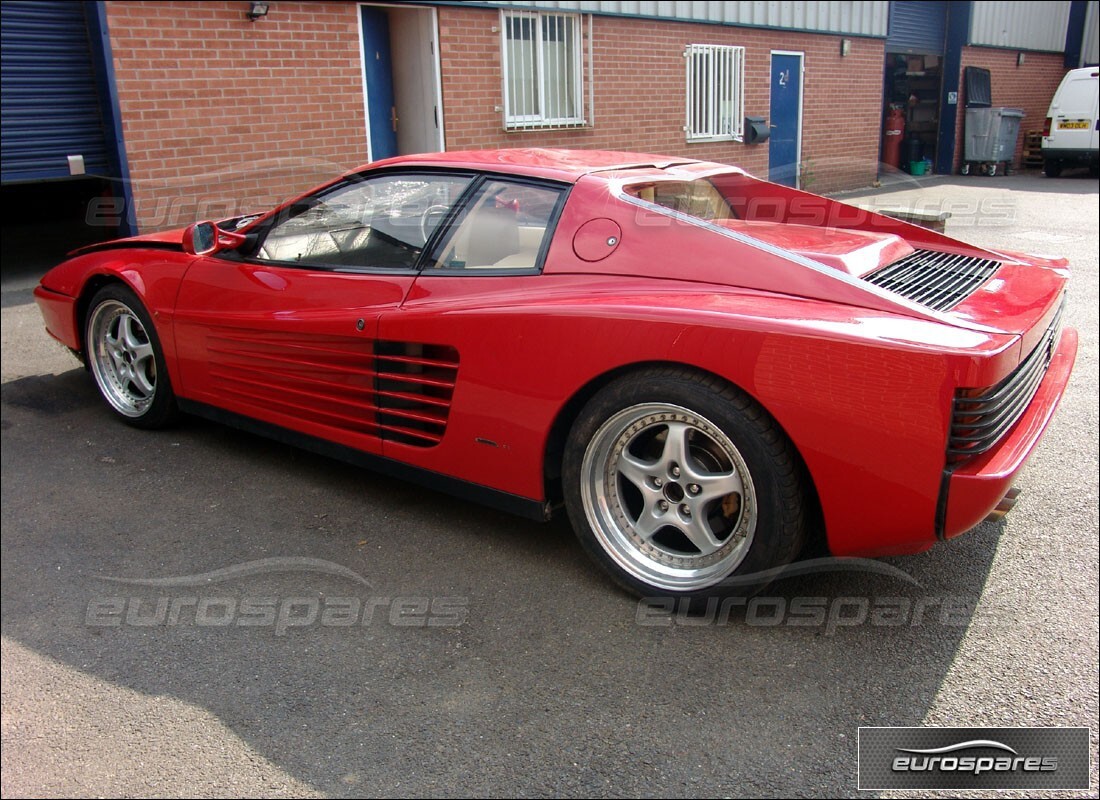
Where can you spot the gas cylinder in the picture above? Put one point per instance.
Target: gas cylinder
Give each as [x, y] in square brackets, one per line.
[892, 134]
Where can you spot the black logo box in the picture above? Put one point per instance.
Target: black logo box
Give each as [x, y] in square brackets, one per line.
[973, 758]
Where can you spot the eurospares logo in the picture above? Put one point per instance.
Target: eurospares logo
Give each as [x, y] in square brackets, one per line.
[950, 759]
[974, 758]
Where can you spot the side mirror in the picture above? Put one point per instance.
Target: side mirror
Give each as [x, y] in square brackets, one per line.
[206, 239]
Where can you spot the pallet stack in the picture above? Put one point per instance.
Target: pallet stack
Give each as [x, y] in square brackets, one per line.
[1033, 150]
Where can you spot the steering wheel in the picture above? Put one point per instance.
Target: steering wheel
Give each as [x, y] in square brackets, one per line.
[431, 218]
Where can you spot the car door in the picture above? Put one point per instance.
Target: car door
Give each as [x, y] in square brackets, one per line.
[463, 340]
[285, 329]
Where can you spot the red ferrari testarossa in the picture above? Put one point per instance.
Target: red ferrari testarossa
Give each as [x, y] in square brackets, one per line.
[704, 368]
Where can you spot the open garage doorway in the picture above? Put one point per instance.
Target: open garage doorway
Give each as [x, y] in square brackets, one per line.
[62, 171]
[916, 45]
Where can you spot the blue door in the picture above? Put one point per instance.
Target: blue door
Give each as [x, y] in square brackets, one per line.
[786, 121]
[380, 106]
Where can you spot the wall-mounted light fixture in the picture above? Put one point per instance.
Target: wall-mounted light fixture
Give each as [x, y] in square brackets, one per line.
[1019, 59]
[256, 10]
[845, 47]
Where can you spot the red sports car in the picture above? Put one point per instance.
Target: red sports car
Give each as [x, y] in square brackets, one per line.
[707, 370]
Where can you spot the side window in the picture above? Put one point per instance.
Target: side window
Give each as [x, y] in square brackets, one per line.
[503, 226]
[380, 222]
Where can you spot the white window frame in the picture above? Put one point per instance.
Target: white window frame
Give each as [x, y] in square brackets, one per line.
[715, 97]
[542, 118]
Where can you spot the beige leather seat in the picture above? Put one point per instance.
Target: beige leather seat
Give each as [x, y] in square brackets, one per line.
[494, 236]
[530, 240]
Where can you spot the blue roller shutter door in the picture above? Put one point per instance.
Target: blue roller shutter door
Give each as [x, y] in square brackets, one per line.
[917, 26]
[51, 106]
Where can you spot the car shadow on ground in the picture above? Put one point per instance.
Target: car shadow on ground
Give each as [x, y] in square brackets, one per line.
[496, 658]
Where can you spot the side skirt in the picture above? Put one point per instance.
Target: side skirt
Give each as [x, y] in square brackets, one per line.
[494, 498]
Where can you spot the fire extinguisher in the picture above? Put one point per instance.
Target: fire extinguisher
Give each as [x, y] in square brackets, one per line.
[892, 134]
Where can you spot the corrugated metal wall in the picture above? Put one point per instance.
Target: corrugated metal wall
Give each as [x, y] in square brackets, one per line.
[834, 16]
[1028, 26]
[1090, 54]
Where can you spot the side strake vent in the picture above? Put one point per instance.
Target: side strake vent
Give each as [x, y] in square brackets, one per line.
[414, 384]
[397, 391]
[938, 280]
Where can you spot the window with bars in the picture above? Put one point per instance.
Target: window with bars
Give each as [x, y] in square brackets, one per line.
[543, 69]
[715, 93]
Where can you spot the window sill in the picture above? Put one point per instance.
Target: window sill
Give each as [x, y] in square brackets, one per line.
[546, 126]
[710, 139]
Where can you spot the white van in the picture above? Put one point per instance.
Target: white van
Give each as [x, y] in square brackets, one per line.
[1070, 132]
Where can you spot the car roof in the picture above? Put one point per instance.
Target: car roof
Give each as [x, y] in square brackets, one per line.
[557, 164]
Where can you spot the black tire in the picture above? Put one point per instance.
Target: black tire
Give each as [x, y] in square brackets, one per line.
[1052, 167]
[965, 168]
[125, 357]
[643, 529]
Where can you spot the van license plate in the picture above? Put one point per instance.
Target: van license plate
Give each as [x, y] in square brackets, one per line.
[1074, 124]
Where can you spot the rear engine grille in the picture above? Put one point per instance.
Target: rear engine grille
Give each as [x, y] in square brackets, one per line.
[413, 388]
[980, 417]
[937, 280]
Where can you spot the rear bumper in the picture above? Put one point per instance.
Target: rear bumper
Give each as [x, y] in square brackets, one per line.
[974, 489]
[1063, 154]
[58, 312]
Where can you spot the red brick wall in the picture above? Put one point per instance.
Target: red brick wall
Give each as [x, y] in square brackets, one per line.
[1029, 86]
[640, 93]
[222, 115]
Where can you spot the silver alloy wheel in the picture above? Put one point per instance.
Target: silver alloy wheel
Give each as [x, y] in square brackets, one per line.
[122, 358]
[668, 496]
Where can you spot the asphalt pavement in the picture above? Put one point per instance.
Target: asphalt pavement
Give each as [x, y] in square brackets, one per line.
[203, 612]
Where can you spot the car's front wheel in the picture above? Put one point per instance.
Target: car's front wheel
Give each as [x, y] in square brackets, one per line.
[126, 359]
[680, 485]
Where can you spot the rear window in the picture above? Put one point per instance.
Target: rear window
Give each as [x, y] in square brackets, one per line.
[695, 198]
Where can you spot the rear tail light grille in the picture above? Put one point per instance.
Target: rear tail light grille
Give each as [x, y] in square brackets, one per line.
[980, 417]
[937, 280]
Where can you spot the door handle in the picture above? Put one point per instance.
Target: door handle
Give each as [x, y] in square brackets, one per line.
[393, 118]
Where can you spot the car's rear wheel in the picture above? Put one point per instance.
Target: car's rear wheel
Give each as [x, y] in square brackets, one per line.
[126, 359]
[1052, 167]
[680, 485]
